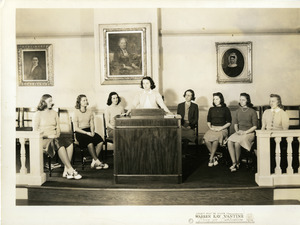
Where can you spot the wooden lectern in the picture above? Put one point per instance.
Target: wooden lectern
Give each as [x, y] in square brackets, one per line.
[147, 148]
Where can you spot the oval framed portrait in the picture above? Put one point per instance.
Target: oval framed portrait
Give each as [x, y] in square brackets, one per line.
[234, 62]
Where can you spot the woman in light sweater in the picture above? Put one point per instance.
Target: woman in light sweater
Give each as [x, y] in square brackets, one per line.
[84, 126]
[276, 119]
[111, 111]
[46, 120]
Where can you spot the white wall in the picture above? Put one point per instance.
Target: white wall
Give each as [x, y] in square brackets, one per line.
[76, 56]
[192, 58]
[188, 60]
[73, 56]
[118, 16]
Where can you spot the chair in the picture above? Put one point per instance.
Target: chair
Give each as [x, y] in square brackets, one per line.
[25, 123]
[18, 118]
[223, 153]
[27, 118]
[251, 158]
[294, 114]
[51, 166]
[77, 146]
[24, 117]
[106, 138]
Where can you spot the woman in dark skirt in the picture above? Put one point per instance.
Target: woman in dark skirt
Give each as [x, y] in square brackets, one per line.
[218, 121]
[85, 131]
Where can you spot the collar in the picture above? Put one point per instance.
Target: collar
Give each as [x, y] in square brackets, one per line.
[275, 110]
[188, 103]
[150, 92]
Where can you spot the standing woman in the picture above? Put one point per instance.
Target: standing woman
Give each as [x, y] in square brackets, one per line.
[111, 111]
[148, 98]
[245, 124]
[218, 121]
[85, 131]
[46, 120]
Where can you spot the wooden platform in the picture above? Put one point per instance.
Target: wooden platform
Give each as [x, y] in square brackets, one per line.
[201, 186]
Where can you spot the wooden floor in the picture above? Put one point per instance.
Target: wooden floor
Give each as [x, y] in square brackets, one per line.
[201, 186]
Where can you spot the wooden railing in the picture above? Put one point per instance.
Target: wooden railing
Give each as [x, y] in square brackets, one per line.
[36, 175]
[264, 177]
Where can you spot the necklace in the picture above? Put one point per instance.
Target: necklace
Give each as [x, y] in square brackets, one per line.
[82, 111]
[245, 110]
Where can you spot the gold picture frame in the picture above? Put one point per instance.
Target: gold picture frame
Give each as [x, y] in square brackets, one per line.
[234, 62]
[125, 53]
[35, 65]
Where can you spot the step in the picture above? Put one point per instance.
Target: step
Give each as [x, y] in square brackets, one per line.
[120, 196]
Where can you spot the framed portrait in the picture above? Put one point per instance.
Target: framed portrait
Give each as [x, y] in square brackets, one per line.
[234, 62]
[125, 53]
[35, 65]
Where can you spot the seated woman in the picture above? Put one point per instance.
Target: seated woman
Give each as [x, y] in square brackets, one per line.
[111, 111]
[148, 98]
[218, 121]
[189, 116]
[245, 124]
[85, 131]
[276, 119]
[46, 120]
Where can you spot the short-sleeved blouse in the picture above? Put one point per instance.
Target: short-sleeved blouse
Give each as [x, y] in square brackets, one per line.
[219, 116]
[245, 119]
[83, 120]
[112, 111]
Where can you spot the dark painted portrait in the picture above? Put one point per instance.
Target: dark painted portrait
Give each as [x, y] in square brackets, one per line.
[233, 62]
[35, 66]
[125, 53]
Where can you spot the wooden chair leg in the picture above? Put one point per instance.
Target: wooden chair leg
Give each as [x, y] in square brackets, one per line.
[105, 150]
[82, 159]
[49, 163]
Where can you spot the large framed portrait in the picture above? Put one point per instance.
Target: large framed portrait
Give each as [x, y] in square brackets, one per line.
[125, 53]
[234, 62]
[35, 65]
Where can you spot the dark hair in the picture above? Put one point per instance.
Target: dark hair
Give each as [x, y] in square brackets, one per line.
[42, 104]
[151, 82]
[219, 94]
[193, 94]
[109, 102]
[78, 100]
[278, 99]
[247, 96]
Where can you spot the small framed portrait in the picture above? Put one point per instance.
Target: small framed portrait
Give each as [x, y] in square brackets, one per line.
[35, 65]
[234, 62]
[125, 53]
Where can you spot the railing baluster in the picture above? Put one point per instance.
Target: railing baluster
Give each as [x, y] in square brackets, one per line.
[277, 155]
[289, 169]
[23, 169]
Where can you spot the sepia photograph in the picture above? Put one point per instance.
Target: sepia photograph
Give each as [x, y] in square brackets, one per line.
[167, 113]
